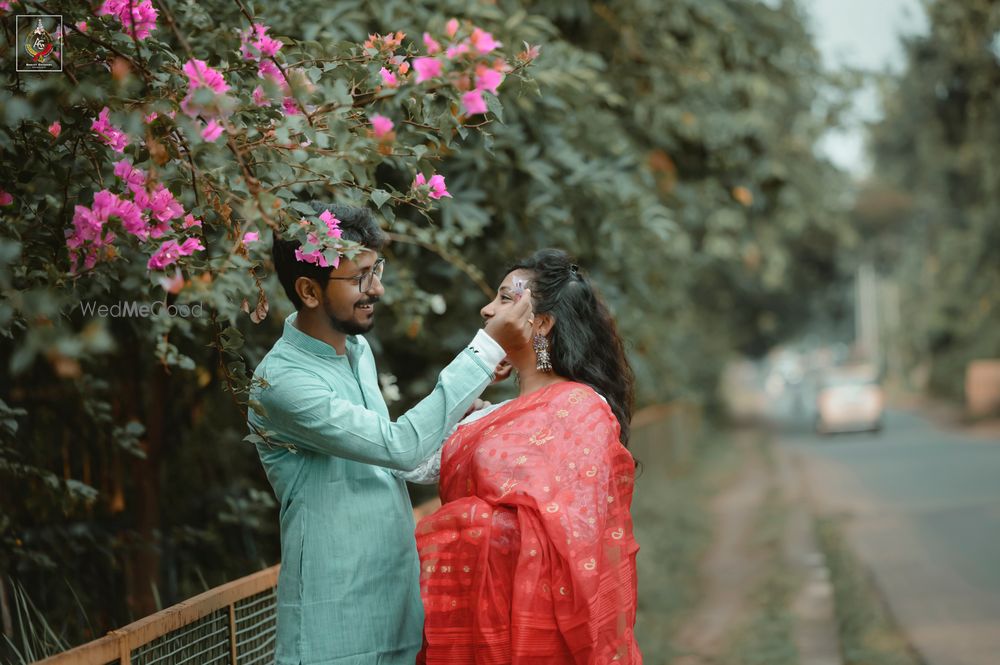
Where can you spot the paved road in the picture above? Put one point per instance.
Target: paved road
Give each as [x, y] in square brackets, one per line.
[924, 507]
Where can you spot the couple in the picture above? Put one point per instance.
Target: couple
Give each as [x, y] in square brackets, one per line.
[531, 557]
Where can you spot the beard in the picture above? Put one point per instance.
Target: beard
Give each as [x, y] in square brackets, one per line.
[350, 326]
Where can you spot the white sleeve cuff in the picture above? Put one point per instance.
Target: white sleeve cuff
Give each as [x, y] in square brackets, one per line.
[487, 349]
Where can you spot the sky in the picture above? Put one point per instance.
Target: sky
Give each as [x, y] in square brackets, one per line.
[865, 34]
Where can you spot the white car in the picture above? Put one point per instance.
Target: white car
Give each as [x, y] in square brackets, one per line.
[849, 400]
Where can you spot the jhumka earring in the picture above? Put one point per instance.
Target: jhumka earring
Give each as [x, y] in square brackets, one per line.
[540, 343]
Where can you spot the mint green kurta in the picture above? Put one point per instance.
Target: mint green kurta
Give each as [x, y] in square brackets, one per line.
[348, 593]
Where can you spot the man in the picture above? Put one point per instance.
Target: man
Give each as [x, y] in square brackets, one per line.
[348, 593]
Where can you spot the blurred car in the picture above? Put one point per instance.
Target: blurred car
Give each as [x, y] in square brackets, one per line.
[849, 400]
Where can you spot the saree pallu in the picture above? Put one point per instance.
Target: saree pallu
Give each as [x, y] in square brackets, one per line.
[531, 557]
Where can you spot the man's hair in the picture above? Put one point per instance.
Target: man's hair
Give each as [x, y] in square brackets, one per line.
[356, 224]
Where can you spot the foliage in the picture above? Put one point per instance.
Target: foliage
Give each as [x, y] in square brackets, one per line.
[669, 146]
[934, 205]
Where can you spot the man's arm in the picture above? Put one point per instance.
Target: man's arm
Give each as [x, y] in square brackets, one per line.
[302, 412]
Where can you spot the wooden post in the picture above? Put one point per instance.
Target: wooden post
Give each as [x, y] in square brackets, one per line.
[232, 632]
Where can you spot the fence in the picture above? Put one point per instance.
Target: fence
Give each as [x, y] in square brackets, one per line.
[235, 623]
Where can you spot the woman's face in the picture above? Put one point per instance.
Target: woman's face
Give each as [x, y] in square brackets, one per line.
[506, 293]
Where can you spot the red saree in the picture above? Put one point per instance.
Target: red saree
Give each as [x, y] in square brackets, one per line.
[531, 557]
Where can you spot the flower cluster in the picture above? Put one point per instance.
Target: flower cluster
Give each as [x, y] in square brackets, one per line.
[321, 247]
[434, 188]
[146, 216]
[200, 75]
[256, 45]
[138, 23]
[465, 61]
[110, 134]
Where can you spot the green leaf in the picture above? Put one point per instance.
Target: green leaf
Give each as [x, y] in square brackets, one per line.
[379, 197]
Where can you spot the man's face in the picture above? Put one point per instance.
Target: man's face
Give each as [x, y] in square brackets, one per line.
[349, 310]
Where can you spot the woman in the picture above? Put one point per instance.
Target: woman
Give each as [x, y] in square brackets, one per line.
[531, 557]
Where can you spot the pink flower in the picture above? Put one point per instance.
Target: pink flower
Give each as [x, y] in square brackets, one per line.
[201, 75]
[381, 125]
[388, 78]
[250, 236]
[55, 128]
[483, 41]
[427, 68]
[332, 224]
[290, 106]
[5, 198]
[432, 45]
[190, 221]
[488, 78]
[260, 97]
[169, 252]
[456, 50]
[133, 177]
[256, 36]
[148, 119]
[139, 24]
[436, 183]
[162, 205]
[267, 69]
[529, 53]
[451, 27]
[473, 102]
[212, 131]
[315, 257]
[110, 134]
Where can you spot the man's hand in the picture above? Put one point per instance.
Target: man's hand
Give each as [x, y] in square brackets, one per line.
[511, 327]
[478, 404]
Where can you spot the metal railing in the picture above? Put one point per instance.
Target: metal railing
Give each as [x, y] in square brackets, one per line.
[233, 624]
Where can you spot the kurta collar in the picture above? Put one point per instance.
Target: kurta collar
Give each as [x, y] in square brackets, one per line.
[310, 344]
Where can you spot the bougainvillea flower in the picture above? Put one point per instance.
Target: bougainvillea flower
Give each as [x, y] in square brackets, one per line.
[473, 102]
[5, 198]
[483, 41]
[250, 236]
[488, 78]
[427, 68]
[133, 177]
[451, 27]
[141, 22]
[110, 134]
[55, 129]
[212, 131]
[332, 224]
[431, 44]
[456, 50]
[201, 75]
[190, 221]
[169, 252]
[388, 78]
[381, 125]
[436, 183]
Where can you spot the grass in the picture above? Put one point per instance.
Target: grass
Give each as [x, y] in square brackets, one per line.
[670, 510]
[33, 637]
[868, 633]
[766, 636]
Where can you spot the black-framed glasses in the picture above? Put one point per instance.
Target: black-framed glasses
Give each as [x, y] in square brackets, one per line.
[364, 279]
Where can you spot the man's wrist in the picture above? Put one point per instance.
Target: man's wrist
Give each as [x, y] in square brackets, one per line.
[487, 349]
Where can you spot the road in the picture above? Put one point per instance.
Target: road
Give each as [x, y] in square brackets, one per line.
[923, 509]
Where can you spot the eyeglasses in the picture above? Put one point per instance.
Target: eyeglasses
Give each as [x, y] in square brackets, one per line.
[364, 279]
